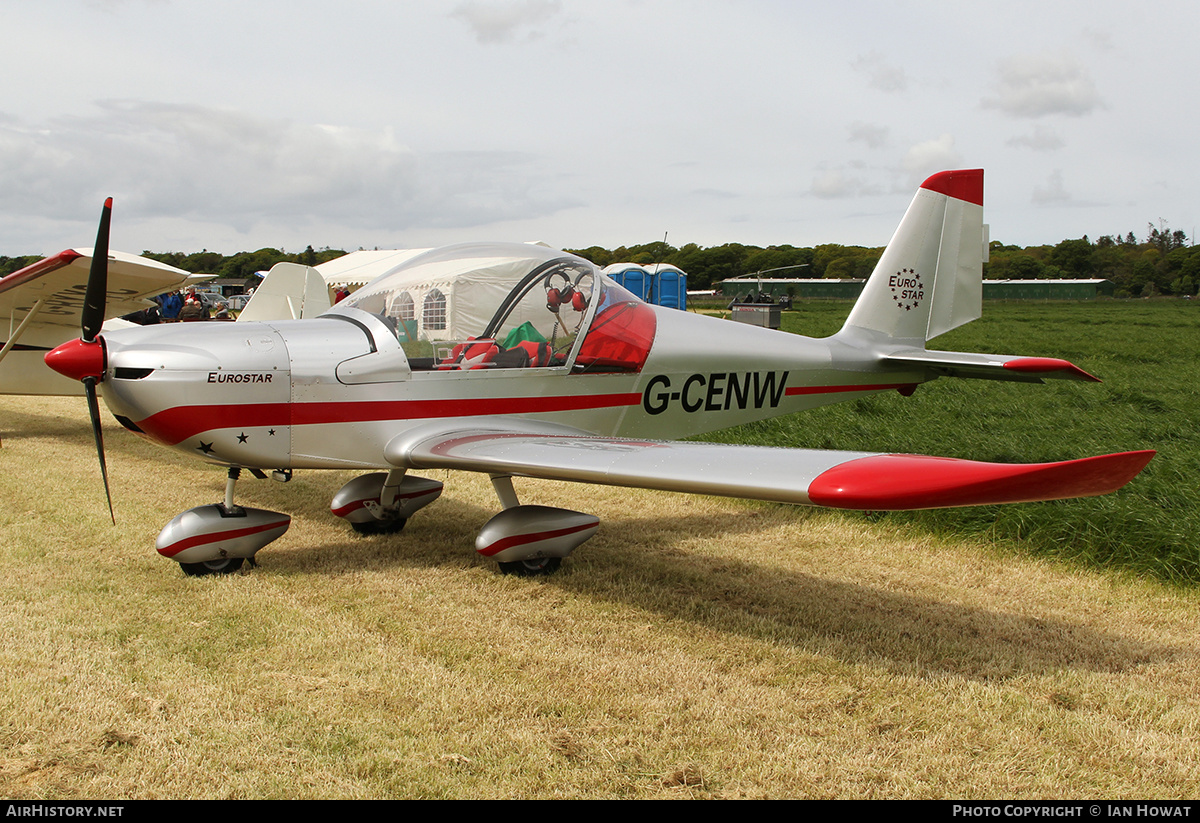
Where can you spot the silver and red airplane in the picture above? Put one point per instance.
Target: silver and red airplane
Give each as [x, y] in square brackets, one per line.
[523, 361]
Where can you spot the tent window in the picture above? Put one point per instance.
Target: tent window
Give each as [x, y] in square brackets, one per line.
[402, 307]
[433, 313]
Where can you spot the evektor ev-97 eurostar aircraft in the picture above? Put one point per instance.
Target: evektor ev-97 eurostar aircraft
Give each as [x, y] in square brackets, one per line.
[520, 360]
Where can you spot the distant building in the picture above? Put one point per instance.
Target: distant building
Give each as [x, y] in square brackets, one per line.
[1047, 289]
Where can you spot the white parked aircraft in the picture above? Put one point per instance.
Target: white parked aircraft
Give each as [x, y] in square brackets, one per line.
[41, 306]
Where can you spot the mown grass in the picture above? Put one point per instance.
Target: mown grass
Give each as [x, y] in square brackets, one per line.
[1146, 352]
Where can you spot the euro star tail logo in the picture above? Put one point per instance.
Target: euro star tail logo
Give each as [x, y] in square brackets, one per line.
[907, 289]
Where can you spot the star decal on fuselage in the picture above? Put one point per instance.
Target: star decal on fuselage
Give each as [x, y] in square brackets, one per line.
[205, 447]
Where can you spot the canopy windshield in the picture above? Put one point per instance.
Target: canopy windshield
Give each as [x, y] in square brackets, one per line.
[492, 305]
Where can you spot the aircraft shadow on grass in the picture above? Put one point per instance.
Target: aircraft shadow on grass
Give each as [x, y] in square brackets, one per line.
[909, 634]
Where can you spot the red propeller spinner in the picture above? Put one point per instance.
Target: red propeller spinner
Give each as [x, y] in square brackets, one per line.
[78, 359]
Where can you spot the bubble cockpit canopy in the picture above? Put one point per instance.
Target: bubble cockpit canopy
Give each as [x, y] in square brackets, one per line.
[508, 305]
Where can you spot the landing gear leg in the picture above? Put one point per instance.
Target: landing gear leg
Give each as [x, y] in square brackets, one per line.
[231, 480]
[503, 485]
[381, 503]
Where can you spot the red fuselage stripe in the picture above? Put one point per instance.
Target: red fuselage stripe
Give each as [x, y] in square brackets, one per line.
[177, 424]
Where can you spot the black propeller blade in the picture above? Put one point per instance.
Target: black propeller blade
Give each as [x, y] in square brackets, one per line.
[89, 387]
[85, 359]
[94, 302]
[97, 286]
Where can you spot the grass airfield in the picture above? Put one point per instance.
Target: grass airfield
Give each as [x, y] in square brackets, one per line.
[697, 647]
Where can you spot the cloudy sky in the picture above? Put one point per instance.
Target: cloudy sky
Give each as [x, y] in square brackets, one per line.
[233, 125]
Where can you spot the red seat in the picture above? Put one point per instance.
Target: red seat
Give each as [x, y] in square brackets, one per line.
[471, 355]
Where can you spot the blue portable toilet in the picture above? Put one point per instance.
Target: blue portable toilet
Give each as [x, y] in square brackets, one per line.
[668, 285]
[658, 283]
[633, 278]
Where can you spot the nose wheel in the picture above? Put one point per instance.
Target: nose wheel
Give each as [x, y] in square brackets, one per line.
[531, 568]
[219, 538]
[372, 527]
[226, 565]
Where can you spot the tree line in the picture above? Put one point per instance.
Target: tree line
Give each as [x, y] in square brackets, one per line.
[1164, 262]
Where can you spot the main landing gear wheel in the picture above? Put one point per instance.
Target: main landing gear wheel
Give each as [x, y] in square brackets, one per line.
[532, 568]
[380, 526]
[226, 565]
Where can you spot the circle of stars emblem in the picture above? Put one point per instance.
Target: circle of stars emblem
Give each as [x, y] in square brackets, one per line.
[907, 289]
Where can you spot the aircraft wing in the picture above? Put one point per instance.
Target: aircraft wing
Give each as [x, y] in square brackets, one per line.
[989, 366]
[61, 280]
[846, 480]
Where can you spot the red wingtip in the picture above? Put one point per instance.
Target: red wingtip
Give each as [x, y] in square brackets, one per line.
[964, 184]
[893, 482]
[108, 203]
[35, 270]
[1041, 365]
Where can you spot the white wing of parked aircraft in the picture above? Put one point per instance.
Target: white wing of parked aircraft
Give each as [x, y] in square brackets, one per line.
[41, 306]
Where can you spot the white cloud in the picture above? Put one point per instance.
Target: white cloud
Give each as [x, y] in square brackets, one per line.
[1054, 192]
[881, 75]
[834, 184]
[875, 137]
[1045, 84]
[924, 159]
[232, 168]
[499, 22]
[1042, 139]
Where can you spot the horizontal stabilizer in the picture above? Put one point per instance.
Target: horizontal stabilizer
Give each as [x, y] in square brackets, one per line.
[848, 480]
[989, 366]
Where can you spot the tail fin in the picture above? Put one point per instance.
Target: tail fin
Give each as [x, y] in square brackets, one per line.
[929, 279]
[290, 291]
